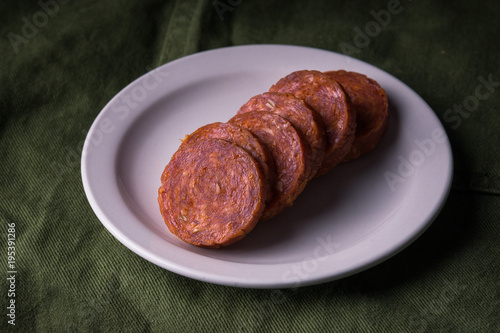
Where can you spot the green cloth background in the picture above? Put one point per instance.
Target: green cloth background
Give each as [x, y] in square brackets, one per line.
[74, 276]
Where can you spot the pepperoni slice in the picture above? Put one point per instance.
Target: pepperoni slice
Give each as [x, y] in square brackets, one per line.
[243, 138]
[306, 121]
[288, 151]
[329, 99]
[370, 103]
[212, 193]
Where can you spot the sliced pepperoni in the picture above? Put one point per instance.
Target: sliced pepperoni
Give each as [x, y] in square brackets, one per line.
[306, 121]
[243, 138]
[212, 193]
[370, 103]
[329, 99]
[288, 151]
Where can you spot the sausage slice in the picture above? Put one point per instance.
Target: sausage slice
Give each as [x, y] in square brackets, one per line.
[212, 193]
[370, 103]
[288, 151]
[329, 99]
[306, 121]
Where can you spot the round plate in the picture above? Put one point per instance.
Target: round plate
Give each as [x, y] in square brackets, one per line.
[358, 215]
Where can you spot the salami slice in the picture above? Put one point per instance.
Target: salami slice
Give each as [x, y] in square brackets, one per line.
[306, 121]
[329, 99]
[212, 193]
[243, 138]
[288, 151]
[370, 103]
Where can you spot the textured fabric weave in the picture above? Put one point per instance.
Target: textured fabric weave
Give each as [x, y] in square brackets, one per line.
[62, 61]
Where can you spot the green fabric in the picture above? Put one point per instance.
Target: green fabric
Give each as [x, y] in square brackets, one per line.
[74, 276]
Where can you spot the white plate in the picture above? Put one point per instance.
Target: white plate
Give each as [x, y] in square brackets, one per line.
[358, 215]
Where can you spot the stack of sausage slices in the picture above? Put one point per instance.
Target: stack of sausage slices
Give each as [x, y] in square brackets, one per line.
[226, 177]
